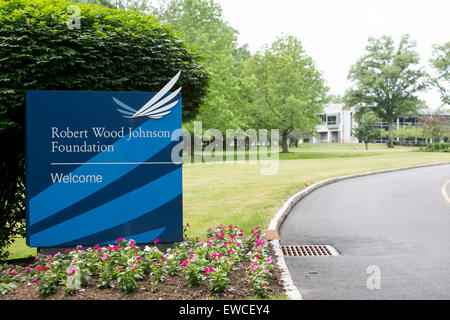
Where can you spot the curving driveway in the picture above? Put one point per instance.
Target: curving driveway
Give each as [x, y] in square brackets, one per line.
[392, 227]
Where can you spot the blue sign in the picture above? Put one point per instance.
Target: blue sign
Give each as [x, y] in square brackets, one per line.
[101, 166]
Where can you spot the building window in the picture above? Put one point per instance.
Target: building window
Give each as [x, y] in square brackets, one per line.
[331, 120]
[323, 117]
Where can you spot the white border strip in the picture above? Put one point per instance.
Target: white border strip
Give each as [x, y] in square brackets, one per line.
[291, 290]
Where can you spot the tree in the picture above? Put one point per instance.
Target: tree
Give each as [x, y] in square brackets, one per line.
[289, 92]
[113, 50]
[441, 63]
[435, 125]
[407, 132]
[201, 24]
[367, 131]
[335, 98]
[386, 80]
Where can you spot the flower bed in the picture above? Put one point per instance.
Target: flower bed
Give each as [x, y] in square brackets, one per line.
[228, 264]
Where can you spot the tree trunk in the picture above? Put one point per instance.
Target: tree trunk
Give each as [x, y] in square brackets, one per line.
[367, 145]
[191, 152]
[390, 143]
[284, 143]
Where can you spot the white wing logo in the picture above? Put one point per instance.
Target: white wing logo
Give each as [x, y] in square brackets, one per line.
[157, 107]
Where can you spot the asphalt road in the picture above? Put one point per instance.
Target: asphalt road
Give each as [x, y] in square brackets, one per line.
[392, 231]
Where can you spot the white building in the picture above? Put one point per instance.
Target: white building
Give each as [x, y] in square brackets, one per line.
[337, 125]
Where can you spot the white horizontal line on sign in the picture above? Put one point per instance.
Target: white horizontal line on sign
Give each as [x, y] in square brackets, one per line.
[101, 163]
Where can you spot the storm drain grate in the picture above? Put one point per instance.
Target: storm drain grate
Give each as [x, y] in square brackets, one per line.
[308, 250]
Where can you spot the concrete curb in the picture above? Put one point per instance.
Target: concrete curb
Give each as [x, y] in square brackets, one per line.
[291, 290]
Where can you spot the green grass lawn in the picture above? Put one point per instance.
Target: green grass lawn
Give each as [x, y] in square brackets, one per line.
[238, 194]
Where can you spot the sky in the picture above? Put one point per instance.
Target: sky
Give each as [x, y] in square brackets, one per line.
[335, 32]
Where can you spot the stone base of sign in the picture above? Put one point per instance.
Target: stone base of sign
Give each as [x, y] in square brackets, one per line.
[53, 250]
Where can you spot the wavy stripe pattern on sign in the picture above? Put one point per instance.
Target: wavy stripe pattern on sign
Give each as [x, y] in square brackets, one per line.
[117, 212]
[134, 179]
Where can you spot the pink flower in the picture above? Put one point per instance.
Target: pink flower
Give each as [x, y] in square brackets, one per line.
[133, 267]
[116, 247]
[185, 263]
[208, 270]
[105, 258]
[120, 239]
[5, 271]
[257, 256]
[156, 240]
[71, 271]
[97, 246]
[79, 246]
[138, 259]
[168, 279]
[131, 242]
[37, 282]
[264, 284]
[163, 260]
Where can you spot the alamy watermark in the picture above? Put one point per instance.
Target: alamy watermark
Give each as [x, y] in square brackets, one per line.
[236, 147]
[374, 280]
[211, 146]
[74, 21]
